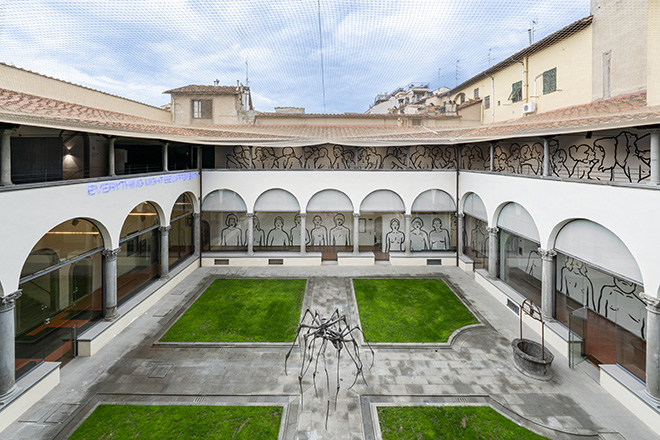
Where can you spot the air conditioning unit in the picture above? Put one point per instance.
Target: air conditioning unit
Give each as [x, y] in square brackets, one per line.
[529, 107]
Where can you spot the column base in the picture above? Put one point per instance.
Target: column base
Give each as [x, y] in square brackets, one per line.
[547, 319]
[6, 184]
[654, 400]
[10, 395]
[164, 277]
[111, 315]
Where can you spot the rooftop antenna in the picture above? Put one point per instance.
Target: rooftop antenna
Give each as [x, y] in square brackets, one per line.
[247, 77]
[489, 56]
[530, 31]
[216, 82]
[457, 61]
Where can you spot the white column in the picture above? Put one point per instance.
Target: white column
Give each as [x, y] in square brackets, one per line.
[165, 146]
[164, 260]
[303, 232]
[652, 346]
[199, 157]
[492, 156]
[7, 347]
[546, 156]
[197, 233]
[655, 157]
[547, 283]
[110, 283]
[5, 157]
[250, 233]
[356, 233]
[492, 251]
[460, 220]
[407, 232]
[111, 157]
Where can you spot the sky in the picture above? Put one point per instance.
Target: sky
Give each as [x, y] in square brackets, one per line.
[328, 56]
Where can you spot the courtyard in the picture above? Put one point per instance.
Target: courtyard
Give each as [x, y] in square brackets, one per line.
[473, 368]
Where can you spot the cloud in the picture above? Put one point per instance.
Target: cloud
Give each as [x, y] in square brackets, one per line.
[137, 49]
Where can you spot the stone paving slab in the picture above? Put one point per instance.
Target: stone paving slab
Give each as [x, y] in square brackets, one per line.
[476, 366]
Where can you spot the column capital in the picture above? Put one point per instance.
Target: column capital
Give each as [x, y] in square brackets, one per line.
[654, 131]
[493, 229]
[652, 303]
[460, 215]
[111, 254]
[356, 214]
[547, 254]
[250, 214]
[7, 301]
[8, 131]
[303, 214]
[165, 229]
[407, 216]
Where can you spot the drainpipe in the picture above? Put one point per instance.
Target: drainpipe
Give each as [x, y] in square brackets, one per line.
[535, 94]
[525, 85]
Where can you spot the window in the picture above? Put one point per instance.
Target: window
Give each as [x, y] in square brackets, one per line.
[476, 93]
[516, 92]
[202, 109]
[487, 102]
[550, 81]
[460, 99]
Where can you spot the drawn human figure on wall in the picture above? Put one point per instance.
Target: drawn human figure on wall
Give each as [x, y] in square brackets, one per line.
[558, 163]
[439, 237]
[319, 234]
[575, 283]
[584, 160]
[449, 154]
[420, 158]
[395, 159]
[394, 239]
[513, 165]
[295, 232]
[277, 236]
[338, 161]
[340, 235]
[257, 158]
[479, 238]
[419, 239]
[231, 235]
[268, 159]
[258, 234]
[374, 159]
[311, 154]
[532, 267]
[500, 159]
[240, 158]
[619, 303]
[472, 158]
[289, 159]
[323, 162]
[531, 158]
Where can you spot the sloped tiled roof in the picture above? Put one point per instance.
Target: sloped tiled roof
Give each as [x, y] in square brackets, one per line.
[204, 90]
[619, 112]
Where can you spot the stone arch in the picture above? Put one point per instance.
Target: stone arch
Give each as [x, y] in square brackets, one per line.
[472, 204]
[516, 215]
[158, 210]
[276, 200]
[382, 200]
[433, 200]
[329, 200]
[224, 200]
[193, 199]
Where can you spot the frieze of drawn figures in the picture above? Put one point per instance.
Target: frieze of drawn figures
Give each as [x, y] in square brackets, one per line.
[428, 232]
[613, 297]
[337, 157]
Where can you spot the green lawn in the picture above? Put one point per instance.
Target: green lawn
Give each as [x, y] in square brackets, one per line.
[409, 310]
[242, 310]
[449, 423]
[159, 422]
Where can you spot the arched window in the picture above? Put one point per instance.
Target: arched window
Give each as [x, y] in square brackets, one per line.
[329, 226]
[276, 214]
[381, 223]
[181, 234]
[137, 262]
[433, 223]
[224, 221]
[598, 286]
[62, 286]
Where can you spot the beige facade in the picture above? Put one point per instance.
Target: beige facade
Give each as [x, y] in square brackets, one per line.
[653, 54]
[225, 109]
[620, 30]
[35, 84]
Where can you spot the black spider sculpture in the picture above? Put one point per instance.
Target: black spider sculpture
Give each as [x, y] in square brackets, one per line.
[333, 330]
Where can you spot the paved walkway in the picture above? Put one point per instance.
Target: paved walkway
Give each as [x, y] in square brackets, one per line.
[475, 369]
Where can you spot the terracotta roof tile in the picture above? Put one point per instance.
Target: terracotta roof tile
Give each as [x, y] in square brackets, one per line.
[205, 90]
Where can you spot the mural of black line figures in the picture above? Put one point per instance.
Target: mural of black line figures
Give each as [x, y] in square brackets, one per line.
[533, 264]
[501, 160]
[258, 234]
[477, 238]
[574, 282]
[231, 235]
[531, 158]
[371, 158]
[395, 239]
[295, 232]
[319, 233]
[285, 158]
[264, 158]
[343, 158]
[620, 302]
[475, 157]
[396, 158]
[277, 236]
[621, 156]
[340, 235]
[237, 157]
[444, 157]
[419, 238]
[421, 158]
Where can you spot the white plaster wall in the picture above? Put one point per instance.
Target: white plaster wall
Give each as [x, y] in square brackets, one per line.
[305, 183]
[28, 214]
[630, 212]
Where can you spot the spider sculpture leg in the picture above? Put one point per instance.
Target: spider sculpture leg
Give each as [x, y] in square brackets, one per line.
[300, 327]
